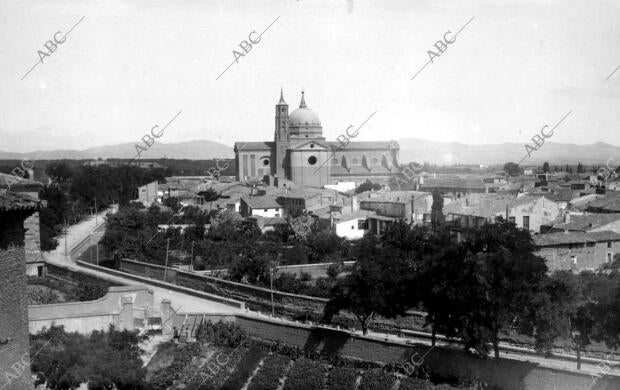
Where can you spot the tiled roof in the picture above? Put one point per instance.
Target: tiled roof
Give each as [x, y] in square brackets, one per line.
[610, 202]
[17, 201]
[488, 207]
[363, 145]
[574, 238]
[586, 222]
[261, 202]
[453, 182]
[239, 146]
[354, 215]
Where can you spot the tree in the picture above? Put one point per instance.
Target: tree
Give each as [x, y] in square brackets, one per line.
[502, 277]
[367, 186]
[376, 285]
[210, 195]
[512, 169]
[545, 167]
[437, 217]
[302, 226]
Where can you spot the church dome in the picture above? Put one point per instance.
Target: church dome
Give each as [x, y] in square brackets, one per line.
[303, 117]
[303, 121]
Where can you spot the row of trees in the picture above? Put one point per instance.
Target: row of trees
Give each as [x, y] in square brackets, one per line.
[487, 286]
[231, 242]
[79, 191]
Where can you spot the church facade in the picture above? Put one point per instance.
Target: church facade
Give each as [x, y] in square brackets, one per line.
[299, 156]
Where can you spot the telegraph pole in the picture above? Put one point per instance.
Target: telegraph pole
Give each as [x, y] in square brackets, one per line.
[96, 212]
[191, 258]
[166, 266]
[66, 234]
[97, 254]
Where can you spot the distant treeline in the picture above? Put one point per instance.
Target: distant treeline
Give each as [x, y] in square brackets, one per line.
[173, 167]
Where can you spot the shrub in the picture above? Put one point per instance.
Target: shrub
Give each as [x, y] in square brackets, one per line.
[182, 357]
[268, 377]
[341, 378]
[305, 375]
[377, 379]
[244, 369]
[415, 384]
[221, 334]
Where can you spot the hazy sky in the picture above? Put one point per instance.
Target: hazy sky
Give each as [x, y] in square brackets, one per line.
[130, 65]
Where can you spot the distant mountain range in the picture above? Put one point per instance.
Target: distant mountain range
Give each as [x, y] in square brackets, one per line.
[446, 153]
[193, 150]
[411, 149]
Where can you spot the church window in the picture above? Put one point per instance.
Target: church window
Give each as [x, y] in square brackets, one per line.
[311, 160]
[312, 145]
[265, 162]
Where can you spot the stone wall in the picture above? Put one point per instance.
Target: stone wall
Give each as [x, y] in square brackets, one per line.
[115, 308]
[442, 362]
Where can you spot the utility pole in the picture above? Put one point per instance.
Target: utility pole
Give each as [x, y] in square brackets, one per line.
[97, 254]
[95, 212]
[191, 258]
[271, 282]
[66, 234]
[166, 266]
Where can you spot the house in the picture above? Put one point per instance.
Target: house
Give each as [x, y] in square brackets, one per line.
[608, 203]
[527, 212]
[585, 223]
[410, 206]
[268, 224]
[352, 226]
[147, 194]
[576, 250]
[264, 206]
[453, 185]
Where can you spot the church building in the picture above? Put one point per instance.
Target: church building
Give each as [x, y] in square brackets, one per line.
[299, 156]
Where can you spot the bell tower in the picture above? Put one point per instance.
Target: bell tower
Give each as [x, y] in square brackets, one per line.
[281, 137]
[281, 129]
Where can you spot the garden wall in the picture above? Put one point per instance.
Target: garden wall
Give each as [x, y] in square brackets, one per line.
[115, 308]
[503, 374]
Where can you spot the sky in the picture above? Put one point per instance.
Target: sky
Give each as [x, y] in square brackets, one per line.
[130, 65]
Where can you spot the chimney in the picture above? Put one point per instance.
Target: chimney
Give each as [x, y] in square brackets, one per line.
[355, 205]
[567, 217]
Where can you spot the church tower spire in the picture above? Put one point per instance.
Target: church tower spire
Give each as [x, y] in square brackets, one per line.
[302, 104]
[281, 128]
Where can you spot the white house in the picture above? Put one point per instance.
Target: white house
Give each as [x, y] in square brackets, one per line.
[263, 206]
[352, 226]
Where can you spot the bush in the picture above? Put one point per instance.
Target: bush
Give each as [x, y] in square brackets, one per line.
[268, 377]
[244, 369]
[341, 378]
[221, 334]
[415, 384]
[377, 379]
[305, 375]
[182, 357]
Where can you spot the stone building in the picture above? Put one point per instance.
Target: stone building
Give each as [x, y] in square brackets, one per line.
[299, 155]
[577, 251]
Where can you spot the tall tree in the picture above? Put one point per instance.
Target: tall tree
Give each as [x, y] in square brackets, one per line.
[512, 169]
[545, 167]
[437, 217]
[502, 276]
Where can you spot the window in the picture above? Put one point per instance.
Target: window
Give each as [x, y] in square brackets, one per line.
[608, 244]
[311, 160]
[526, 222]
[574, 259]
[362, 224]
[610, 257]
[265, 162]
[266, 210]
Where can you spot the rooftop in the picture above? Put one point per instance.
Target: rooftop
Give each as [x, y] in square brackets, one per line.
[586, 222]
[17, 201]
[564, 238]
[261, 202]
